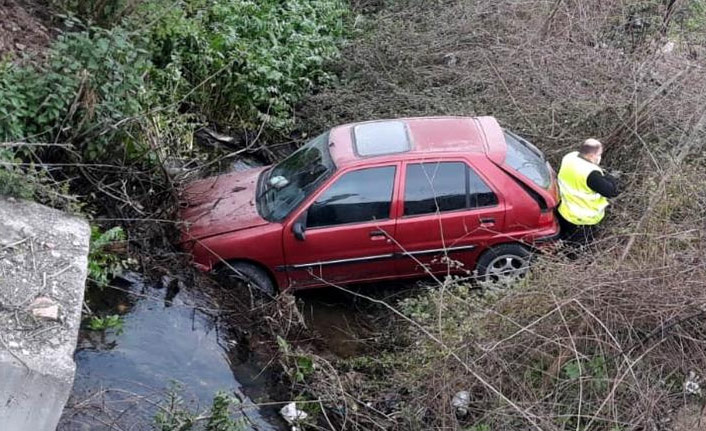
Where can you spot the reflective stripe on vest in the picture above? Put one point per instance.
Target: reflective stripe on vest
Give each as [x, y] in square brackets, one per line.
[579, 205]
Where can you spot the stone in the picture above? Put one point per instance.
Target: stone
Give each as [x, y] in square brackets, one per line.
[49, 313]
[36, 366]
[450, 59]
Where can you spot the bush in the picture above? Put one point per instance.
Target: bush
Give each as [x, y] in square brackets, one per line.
[104, 263]
[92, 80]
[605, 342]
[117, 94]
[241, 63]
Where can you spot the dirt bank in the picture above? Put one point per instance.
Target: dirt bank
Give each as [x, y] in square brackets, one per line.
[23, 28]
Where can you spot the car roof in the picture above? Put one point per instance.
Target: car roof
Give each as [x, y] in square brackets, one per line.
[414, 137]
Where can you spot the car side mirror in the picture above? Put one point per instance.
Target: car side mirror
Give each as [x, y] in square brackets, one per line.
[298, 231]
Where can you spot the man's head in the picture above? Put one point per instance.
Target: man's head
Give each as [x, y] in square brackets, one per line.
[591, 150]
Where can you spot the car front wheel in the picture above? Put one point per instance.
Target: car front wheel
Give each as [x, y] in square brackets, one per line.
[250, 274]
[503, 265]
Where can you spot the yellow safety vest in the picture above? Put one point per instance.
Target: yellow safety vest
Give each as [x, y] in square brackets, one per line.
[580, 204]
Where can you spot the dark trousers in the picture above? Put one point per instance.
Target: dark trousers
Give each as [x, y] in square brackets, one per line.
[575, 235]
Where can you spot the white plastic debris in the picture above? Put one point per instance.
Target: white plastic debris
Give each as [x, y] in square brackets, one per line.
[691, 385]
[292, 415]
[668, 47]
[461, 401]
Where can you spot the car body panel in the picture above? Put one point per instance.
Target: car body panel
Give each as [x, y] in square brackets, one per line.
[448, 241]
[340, 253]
[220, 204]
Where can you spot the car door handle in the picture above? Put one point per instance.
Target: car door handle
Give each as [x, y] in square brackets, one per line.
[487, 221]
[377, 235]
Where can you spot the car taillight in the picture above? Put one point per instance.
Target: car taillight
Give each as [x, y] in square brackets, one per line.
[546, 217]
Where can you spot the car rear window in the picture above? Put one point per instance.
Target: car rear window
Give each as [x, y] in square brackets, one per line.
[526, 159]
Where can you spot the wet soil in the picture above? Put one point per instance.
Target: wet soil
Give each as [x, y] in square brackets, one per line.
[169, 341]
[346, 323]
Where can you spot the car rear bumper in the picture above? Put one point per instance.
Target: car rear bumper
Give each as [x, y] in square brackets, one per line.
[547, 239]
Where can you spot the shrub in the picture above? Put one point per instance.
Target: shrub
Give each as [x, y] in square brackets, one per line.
[241, 62]
[103, 264]
[238, 63]
[93, 79]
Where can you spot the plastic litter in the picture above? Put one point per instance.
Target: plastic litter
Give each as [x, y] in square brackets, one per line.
[461, 401]
[692, 385]
[292, 415]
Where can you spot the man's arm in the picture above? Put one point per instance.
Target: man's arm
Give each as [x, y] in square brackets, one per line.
[604, 185]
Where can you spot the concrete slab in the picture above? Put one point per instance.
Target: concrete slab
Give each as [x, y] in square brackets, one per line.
[43, 260]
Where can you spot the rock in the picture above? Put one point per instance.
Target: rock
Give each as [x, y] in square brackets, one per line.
[45, 308]
[37, 371]
[49, 313]
[450, 59]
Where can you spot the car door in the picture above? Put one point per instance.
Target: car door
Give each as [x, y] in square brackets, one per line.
[448, 212]
[346, 230]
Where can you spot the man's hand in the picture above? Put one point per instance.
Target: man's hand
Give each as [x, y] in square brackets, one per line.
[615, 174]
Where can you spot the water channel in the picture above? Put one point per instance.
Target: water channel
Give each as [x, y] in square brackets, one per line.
[166, 344]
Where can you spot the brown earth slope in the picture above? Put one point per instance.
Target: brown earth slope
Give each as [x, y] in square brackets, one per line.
[23, 29]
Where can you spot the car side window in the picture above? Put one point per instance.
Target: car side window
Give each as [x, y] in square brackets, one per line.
[444, 186]
[480, 194]
[357, 196]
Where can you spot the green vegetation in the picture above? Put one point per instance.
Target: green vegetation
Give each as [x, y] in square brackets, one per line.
[104, 264]
[113, 321]
[92, 79]
[298, 366]
[242, 63]
[127, 83]
[174, 416]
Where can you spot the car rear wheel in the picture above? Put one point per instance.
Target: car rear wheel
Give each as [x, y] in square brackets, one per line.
[251, 274]
[503, 265]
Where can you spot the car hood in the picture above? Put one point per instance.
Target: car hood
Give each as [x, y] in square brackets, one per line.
[220, 204]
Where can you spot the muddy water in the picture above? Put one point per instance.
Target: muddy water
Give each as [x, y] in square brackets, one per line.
[349, 325]
[165, 344]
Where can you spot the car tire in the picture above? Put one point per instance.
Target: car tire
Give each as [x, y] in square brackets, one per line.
[251, 274]
[503, 265]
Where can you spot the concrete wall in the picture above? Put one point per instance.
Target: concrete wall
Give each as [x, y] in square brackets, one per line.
[43, 258]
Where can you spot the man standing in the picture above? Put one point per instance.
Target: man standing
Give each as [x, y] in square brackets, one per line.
[584, 189]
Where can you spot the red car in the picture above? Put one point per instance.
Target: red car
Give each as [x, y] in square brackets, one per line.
[379, 200]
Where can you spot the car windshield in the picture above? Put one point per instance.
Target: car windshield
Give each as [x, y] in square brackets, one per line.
[289, 182]
[526, 159]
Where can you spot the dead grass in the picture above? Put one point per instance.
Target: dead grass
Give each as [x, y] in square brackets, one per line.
[602, 343]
